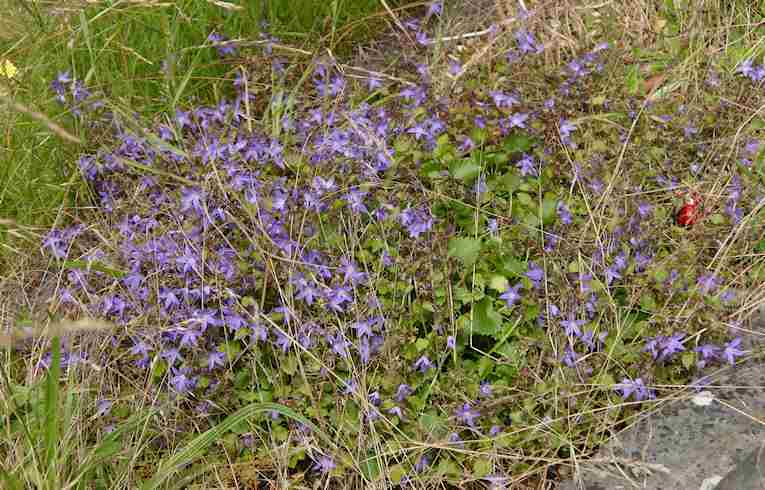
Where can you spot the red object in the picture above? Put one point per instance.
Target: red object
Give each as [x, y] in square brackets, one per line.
[690, 213]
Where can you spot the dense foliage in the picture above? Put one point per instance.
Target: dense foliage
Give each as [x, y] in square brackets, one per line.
[457, 274]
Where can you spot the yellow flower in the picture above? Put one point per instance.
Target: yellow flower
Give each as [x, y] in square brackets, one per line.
[8, 69]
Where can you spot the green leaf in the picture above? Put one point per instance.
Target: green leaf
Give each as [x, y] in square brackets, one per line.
[486, 321]
[688, 359]
[485, 365]
[525, 199]
[465, 249]
[717, 219]
[478, 135]
[760, 247]
[509, 182]
[465, 170]
[421, 344]
[513, 266]
[447, 466]
[549, 208]
[648, 302]
[431, 169]
[633, 79]
[396, 473]
[498, 282]
[517, 143]
[660, 275]
[370, 468]
[482, 467]
[433, 424]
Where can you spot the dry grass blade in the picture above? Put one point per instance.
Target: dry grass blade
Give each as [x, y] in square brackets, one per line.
[55, 330]
[63, 133]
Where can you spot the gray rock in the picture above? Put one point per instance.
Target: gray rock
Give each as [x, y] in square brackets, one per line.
[709, 440]
[748, 474]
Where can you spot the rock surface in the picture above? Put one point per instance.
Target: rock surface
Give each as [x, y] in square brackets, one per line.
[712, 439]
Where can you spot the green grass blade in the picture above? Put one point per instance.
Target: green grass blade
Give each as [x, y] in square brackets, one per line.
[112, 443]
[9, 481]
[197, 447]
[51, 431]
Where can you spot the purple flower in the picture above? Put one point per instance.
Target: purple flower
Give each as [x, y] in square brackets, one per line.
[565, 129]
[728, 296]
[339, 344]
[223, 46]
[374, 398]
[403, 391]
[503, 100]
[708, 351]
[527, 165]
[259, 333]
[350, 387]
[492, 226]
[373, 84]
[485, 389]
[454, 67]
[324, 464]
[467, 414]
[745, 68]
[518, 120]
[363, 328]
[612, 273]
[497, 481]
[572, 326]
[140, 347]
[215, 358]
[570, 357]
[416, 221]
[671, 346]
[171, 355]
[451, 342]
[644, 209]
[422, 463]
[454, 438]
[584, 283]
[103, 408]
[636, 388]
[282, 341]
[707, 283]
[511, 295]
[588, 339]
[564, 214]
[527, 43]
[732, 351]
[351, 273]
[59, 85]
[181, 382]
[422, 38]
[337, 296]
[189, 337]
[419, 131]
[535, 274]
[397, 412]
[192, 198]
[423, 364]
[59, 241]
[435, 8]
